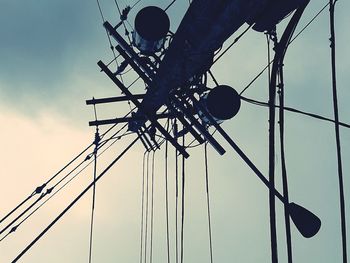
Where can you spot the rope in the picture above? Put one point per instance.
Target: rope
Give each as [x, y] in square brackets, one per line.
[75, 201]
[208, 199]
[337, 131]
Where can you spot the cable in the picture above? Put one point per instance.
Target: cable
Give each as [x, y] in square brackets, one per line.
[97, 140]
[234, 42]
[208, 199]
[213, 78]
[337, 131]
[271, 136]
[39, 189]
[283, 164]
[183, 203]
[121, 17]
[167, 201]
[17, 207]
[109, 38]
[256, 77]
[135, 4]
[264, 104]
[169, 5]
[142, 203]
[290, 42]
[13, 229]
[176, 196]
[152, 209]
[21, 214]
[75, 200]
[280, 51]
[307, 24]
[146, 224]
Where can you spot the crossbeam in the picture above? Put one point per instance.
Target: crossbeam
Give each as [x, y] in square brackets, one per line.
[151, 117]
[126, 119]
[198, 125]
[112, 99]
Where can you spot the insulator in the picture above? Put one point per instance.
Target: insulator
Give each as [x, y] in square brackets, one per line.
[222, 103]
[151, 27]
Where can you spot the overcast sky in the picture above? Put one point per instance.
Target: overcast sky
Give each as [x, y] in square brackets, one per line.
[48, 55]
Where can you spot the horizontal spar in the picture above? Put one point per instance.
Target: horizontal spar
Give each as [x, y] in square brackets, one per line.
[126, 119]
[113, 99]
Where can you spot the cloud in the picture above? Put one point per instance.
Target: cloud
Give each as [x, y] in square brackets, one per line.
[42, 46]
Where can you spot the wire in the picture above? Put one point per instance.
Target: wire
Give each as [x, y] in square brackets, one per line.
[76, 200]
[97, 139]
[167, 201]
[169, 5]
[135, 4]
[120, 14]
[109, 38]
[264, 104]
[213, 78]
[284, 165]
[307, 24]
[234, 42]
[13, 229]
[290, 42]
[183, 203]
[39, 189]
[147, 188]
[20, 215]
[337, 130]
[152, 208]
[255, 78]
[17, 207]
[271, 177]
[208, 199]
[142, 203]
[33, 204]
[176, 196]
[133, 82]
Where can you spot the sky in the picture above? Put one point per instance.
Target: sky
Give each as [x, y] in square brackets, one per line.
[48, 54]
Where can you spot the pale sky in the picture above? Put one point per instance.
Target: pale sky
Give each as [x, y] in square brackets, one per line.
[48, 55]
